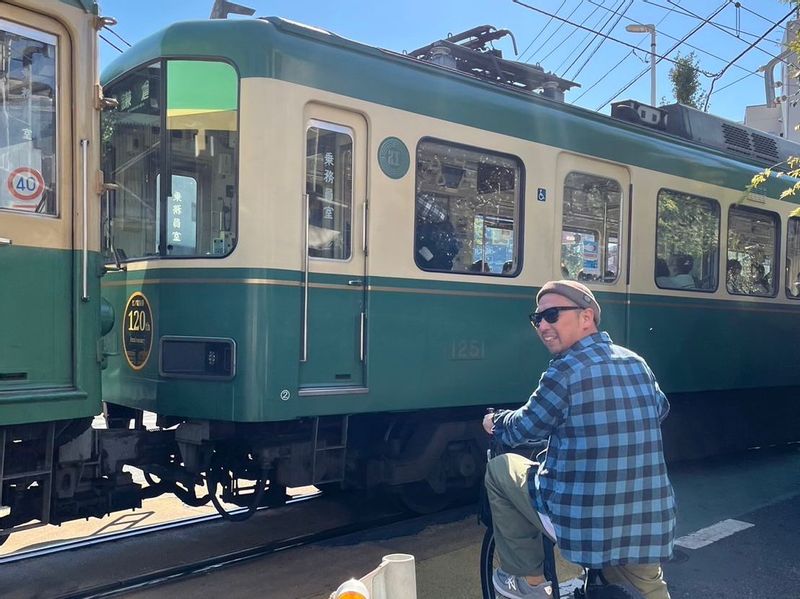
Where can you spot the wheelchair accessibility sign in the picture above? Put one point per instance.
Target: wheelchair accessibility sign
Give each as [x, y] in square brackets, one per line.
[25, 186]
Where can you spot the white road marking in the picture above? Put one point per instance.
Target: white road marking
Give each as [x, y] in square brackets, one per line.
[715, 532]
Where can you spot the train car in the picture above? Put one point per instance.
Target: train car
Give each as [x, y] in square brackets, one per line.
[326, 254]
[50, 264]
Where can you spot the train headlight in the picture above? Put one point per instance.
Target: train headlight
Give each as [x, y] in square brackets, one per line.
[352, 589]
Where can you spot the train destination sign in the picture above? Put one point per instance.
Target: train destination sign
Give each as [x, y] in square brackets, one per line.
[137, 330]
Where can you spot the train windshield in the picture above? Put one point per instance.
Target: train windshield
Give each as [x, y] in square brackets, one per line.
[178, 117]
[27, 119]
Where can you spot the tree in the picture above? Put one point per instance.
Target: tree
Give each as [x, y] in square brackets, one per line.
[685, 77]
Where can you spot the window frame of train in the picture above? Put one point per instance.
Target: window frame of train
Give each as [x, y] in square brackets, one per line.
[434, 199]
[192, 134]
[746, 260]
[36, 164]
[792, 284]
[709, 253]
[596, 254]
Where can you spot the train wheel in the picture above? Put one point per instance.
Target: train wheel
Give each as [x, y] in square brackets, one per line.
[222, 478]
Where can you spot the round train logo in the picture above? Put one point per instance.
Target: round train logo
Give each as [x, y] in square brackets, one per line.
[137, 330]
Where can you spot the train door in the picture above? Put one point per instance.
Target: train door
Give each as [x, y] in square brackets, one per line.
[594, 223]
[36, 211]
[334, 265]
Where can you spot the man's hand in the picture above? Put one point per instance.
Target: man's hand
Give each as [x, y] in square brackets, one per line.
[488, 423]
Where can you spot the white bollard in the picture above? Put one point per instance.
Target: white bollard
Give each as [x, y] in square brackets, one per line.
[395, 578]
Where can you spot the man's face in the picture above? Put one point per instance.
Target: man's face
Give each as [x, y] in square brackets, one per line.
[571, 326]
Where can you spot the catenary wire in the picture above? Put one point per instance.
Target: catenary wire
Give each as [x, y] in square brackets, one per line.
[687, 36]
[687, 44]
[614, 39]
[541, 31]
[557, 29]
[742, 53]
[583, 43]
[602, 41]
[569, 35]
[117, 35]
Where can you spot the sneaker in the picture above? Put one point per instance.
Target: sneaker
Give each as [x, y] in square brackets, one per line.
[516, 587]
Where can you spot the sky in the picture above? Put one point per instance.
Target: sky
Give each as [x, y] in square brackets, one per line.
[602, 69]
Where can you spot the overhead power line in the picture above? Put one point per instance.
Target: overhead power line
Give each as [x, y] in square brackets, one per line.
[556, 30]
[672, 49]
[613, 39]
[541, 31]
[742, 53]
[602, 41]
[583, 43]
[687, 44]
[686, 12]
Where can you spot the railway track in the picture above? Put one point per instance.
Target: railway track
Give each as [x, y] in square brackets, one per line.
[78, 544]
[157, 555]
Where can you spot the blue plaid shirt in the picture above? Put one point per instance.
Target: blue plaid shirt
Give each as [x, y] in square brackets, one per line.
[604, 482]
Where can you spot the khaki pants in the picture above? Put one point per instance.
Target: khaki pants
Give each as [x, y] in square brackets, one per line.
[518, 529]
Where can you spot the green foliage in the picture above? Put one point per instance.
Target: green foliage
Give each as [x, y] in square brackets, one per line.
[685, 77]
[686, 225]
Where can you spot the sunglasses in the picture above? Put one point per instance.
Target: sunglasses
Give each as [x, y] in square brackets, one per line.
[550, 315]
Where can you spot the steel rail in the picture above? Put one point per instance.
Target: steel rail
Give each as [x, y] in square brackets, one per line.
[78, 544]
[172, 574]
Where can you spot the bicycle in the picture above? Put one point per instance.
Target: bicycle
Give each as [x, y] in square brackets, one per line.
[595, 585]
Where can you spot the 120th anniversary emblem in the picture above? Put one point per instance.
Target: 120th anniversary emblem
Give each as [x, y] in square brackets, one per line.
[137, 330]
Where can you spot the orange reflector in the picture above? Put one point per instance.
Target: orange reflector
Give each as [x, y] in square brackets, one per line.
[352, 589]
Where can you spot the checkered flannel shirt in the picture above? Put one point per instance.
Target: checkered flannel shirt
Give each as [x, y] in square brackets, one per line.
[604, 482]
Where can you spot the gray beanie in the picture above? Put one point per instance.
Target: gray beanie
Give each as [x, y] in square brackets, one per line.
[572, 290]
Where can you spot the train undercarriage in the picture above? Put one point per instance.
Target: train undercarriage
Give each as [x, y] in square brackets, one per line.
[55, 472]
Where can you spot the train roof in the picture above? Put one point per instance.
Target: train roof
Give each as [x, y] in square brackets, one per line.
[281, 49]
[89, 6]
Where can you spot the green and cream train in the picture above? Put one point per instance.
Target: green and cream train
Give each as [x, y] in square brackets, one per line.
[324, 254]
[51, 315]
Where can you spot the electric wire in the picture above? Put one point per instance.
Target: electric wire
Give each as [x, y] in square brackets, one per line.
[591, 37]
[613, 39]
[742, 53]
[687, 36]
[602, 41]
[614, 68]
[687, 44]
[725, 29]
[569, 35]
[557, 29]
[541, 31]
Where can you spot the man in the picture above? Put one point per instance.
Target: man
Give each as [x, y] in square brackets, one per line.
[602, 491]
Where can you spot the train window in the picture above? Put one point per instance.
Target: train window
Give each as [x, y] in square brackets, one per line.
[203, 136]
[793, 258]
[329, 185]
[590, 229]
[192, 211]
[28, 121]
[467, 213]
[752, 264]
[687, 242]
[132, 159]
